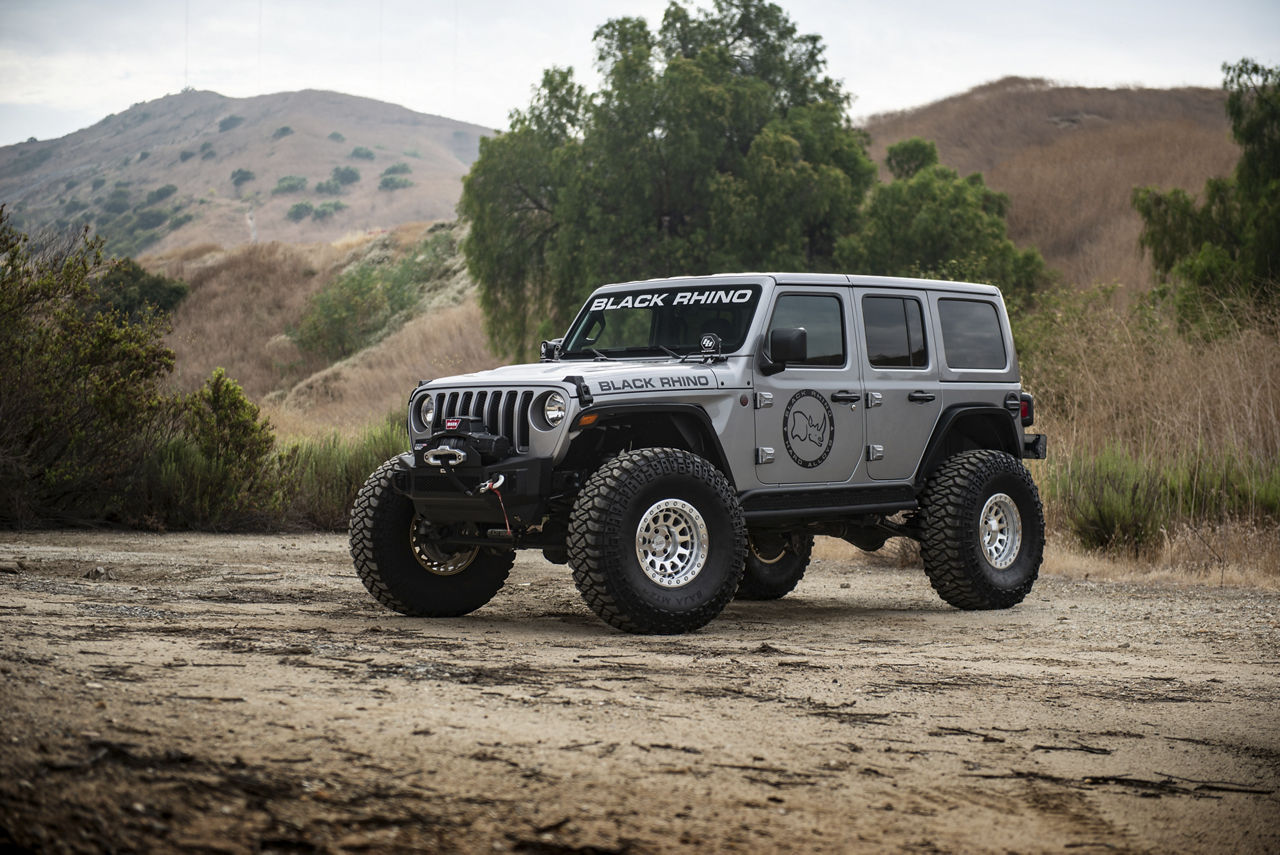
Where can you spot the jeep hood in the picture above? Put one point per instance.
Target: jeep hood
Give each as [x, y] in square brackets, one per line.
[601, 377]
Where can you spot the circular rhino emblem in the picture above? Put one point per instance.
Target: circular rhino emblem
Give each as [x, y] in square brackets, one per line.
[808, 429]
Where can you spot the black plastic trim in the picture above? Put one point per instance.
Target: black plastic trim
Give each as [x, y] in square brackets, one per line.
[705, 436]
[1009, 440]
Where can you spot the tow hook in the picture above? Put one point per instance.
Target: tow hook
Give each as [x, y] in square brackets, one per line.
[493, 484]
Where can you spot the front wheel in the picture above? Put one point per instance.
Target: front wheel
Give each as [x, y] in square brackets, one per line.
[983, 530]
[657, 541]
[404, 569]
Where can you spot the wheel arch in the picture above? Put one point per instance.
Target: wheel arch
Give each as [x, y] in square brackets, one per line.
[969, 427]
[638, 425]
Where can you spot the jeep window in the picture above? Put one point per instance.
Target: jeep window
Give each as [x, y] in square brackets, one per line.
[971, 336]
[823, 322]
[652, 321]
[895, 332]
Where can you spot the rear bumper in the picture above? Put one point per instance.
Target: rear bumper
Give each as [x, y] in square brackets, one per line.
[1034, 446]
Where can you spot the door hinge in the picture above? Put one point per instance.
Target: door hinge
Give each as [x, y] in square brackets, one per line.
[764, 455]
[875, 452]
[874, 399]
[764, 400]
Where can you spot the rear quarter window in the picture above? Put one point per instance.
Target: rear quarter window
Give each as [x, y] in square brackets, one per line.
[971, 334]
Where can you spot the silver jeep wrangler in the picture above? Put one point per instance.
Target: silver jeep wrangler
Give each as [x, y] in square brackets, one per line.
[687, 438]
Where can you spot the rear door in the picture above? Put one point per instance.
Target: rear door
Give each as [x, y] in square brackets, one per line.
[901, 376]
[809, 417]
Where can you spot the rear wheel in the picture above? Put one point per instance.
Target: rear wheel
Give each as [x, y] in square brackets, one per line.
[983, 530]
[407, 571]
[775, 564]
[657, 541]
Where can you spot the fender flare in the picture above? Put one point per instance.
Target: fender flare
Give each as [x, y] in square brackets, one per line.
[950, 435]
[689, 420]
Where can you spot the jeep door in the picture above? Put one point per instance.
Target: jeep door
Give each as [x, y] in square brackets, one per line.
[809, 417]
[902, 380]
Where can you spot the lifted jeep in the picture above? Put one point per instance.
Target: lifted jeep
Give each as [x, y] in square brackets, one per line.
[687, 438]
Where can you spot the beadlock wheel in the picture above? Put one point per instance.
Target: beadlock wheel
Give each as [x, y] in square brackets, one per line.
[1000, 527]
[671, 543]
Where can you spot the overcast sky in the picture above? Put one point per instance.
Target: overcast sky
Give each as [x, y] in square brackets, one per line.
[64, 64]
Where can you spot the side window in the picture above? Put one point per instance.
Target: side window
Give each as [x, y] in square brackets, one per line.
[823, 320]
[895, 332]
[971, 335]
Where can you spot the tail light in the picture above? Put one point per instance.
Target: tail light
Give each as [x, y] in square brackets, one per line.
[1028, 409]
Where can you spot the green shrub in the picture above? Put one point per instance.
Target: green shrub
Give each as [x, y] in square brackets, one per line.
[74, 206]
[346, 174]
[180, 221]
[329, 188]
[206, 147]
[1114, 503]
[117, 201]
[230, 122]
[330, 471]
[161, 193]
[184, 155]
[70, 184]
[394, 182]
[290, 184]
[282, 132]
[361, 153]
[150, 219]
[397, 169]
[143, 155]
[97, 183]
[300, 211]
[337, 137]
[127, 288]
[340, 317]
[220, 471]
[242, 176]
[325, 210]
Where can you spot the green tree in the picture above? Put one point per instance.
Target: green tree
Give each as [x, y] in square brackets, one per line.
[1226, 248]
[933, 223]
[715, 143]
[346, 175]
[80, 388]
[127, 288]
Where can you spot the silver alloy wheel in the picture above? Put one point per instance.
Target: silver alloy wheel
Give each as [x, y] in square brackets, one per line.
[1000, 528]
[435, 560]
[671, 543]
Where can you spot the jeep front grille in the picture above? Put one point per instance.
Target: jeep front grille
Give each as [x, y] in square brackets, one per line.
[505, 412]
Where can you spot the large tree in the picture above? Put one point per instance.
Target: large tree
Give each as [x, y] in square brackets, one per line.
[715, 143]
[1226, 248]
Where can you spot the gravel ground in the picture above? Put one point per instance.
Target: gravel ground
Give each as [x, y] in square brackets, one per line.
[202, 693]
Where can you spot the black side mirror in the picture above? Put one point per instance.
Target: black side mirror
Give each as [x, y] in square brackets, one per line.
[785, 345]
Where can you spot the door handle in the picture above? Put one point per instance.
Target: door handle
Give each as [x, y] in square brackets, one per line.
[846, 397]
[921, 397]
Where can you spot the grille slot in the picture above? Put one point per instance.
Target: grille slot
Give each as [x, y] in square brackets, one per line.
[503, 412]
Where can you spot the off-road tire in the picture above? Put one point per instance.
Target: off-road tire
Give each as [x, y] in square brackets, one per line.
[775, 565]
[382, 547]
[607, 527]
[952, 507]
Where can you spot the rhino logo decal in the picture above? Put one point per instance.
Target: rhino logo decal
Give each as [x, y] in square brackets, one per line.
[808, 428]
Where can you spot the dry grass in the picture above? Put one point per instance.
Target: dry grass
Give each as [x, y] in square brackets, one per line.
[1069, 158]
[355, 392]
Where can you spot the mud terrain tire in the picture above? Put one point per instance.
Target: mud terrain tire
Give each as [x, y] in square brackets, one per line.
[411, 576]
[657, 541]
[775, 565]
[983, 530]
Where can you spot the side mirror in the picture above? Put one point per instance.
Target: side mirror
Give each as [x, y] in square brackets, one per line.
[785, 345]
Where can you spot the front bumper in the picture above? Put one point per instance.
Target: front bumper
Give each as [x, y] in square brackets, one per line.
[447, 493]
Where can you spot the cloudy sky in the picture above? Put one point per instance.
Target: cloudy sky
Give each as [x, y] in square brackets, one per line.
[64, 64]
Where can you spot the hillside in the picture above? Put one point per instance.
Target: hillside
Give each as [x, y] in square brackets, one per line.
[159, 176]
[1069, 157]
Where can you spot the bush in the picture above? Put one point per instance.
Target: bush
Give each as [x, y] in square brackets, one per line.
[98, 182]
[150, 219]
[161, 193]
[209, 154]
[329, 188]
[230, 122]
[184, 155]
[220, 471]
[394, 182]
[361, 153]
[180, 221]
[397, 169]
[337, 137]
[242, 176]
[80, 399]
[282, 132]
[117, 201]
[143, 155]
[290, 184]
[325, 210]
[330, 471]
[346, 174]
[300, 211]
[127, 288]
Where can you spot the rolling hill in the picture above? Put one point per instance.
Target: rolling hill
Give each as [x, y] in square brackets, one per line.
[198, 167]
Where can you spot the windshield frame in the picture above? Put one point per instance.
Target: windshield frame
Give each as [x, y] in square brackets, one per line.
[727, 307]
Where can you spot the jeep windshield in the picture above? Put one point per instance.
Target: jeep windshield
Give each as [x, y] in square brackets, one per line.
[661, 321]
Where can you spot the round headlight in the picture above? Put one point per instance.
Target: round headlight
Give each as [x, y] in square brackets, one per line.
[427, 411]
[553, 409]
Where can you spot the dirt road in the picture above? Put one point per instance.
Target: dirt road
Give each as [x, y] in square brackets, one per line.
[244, 694]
